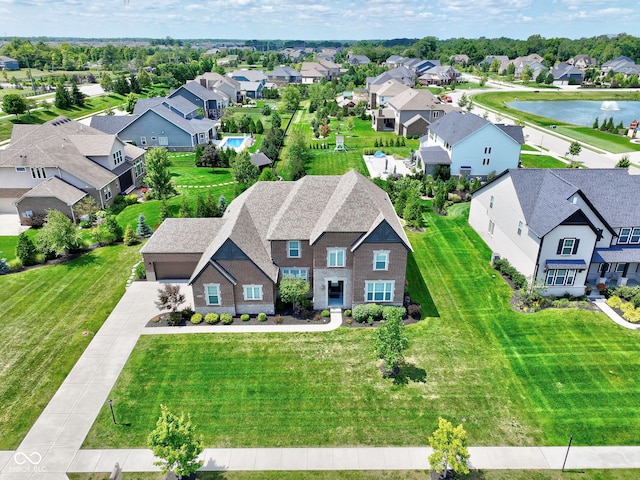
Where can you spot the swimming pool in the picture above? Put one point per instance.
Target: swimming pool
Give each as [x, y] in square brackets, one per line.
[232, 142]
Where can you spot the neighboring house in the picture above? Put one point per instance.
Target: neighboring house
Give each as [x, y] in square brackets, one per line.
[621, 64]
[345, 239]
[409, 113]
[251, 82]
[469, 145]
[393, 61]
[212, 101]
[56, 164]
[381, 93]
[401, 74]
[294, 54]
[583, 61]
[170, 122]
[564, 74]
[313, 72]
[285, 75]
[503, 62]
[220, 84]
[441, 75]
[357, 60]
[8, 63]
[560, 227]
[460, 59]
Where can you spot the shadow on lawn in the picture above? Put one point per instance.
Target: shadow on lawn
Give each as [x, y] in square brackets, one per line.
[409, 372]
[418, 290]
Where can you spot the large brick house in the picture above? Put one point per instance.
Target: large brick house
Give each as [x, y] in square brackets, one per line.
[340, 233]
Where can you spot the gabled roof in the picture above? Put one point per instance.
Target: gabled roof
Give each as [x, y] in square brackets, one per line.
[389, 88]
[198, 90]
[191, 126]
[250, 75]
[57, 143]
[180, 104]
[417, 100]
[260, 159]
[545, 195]
[434, 155]
[169, 237]
[56, 188]
[285, 71]
[111, 124]
[456, 126]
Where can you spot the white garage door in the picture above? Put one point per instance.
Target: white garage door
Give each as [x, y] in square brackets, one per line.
[7, 206]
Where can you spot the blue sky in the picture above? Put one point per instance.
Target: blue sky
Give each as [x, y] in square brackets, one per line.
[319, 19]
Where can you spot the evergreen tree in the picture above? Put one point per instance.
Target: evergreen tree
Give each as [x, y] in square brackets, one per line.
[113, 227]
[185, 209]
[201, 208]
[244, 171]
[164, 211]
[596, 124]
[63, 99]
[130, 236]
[143, 230]
[222, 205]
[77, 97]
[211, 205]
[26, 250]
[198, 155]
[158, 175]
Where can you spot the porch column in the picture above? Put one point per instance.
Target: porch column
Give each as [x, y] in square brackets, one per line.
[622, 281]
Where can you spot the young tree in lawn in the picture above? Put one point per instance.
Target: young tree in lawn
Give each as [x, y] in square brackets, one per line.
[26, 250]
[130, 237]
[112, 225]
[244, 171]
[390, 341]
[58, 234]
[175, 442]
[62, 99]
[276, 121]
[413, 212]
[298, 153]
[106, 82]
[158, 175]
[77, 97]
[259, 127]
[449, 449]
[294, 290]
[14, 104]
[185, 209]
[143, 230]
[574, 149]
[170, 298]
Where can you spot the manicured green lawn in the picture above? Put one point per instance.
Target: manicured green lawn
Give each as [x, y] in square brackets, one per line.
[380, 475]
[529, 148]
[45, 312]
[8, 244]
[516, 379]
[540, 161]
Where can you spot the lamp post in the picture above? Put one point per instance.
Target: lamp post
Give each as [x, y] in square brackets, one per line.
[113, 415]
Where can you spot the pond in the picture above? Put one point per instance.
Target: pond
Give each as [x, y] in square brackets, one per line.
[582, 112]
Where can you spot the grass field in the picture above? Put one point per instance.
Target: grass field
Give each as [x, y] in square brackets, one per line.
[45, 312]
[529, 148]
[516, 379]
[620, 474]
[607, 141]
[92, 105]
[540, 161]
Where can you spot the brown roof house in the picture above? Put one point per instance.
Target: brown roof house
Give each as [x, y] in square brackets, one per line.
[340, 233]
[410, 113]
[54, 165]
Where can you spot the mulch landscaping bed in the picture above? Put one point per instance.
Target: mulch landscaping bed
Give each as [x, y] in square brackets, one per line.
[285, 318]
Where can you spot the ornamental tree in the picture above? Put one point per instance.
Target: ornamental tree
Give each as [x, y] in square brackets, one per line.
[449, 449]
[58, 234]
[294, 290]
[390, 341]
[175, 442]
[158, 175]
[14, 104]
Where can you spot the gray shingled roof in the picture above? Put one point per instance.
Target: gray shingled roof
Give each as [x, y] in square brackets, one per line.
[199, 91]
[53, 144]
[545, 195]
[300, 210]
[111, 124]
[456, 126]
[417, 100]
[181, 104]
[170, 236]
[285, 71]
[434, 156]
[54, 187]
[514, 131]
[194, 125]
[260, 159]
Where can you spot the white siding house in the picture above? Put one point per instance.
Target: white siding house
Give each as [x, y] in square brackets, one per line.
[559, 227]
[472, 145]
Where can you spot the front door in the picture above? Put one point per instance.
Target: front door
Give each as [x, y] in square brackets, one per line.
[335, 291]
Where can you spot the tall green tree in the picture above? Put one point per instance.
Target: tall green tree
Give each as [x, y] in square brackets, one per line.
[106, 82]
[26, 250]
[62, 99]
[130, 102]
[58, 234]
[77, 97]
[158, 176]
[175, 443]
[244, 171]
[298, 153]
[291, 98]
[450, 450]
[14, 104]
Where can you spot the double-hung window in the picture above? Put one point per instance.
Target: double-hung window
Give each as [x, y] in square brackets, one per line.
[107, 193]
[117, 157]
[381, 260]
[212, 293]
[293, 249]
[520, 225]
[561, 276]
[336, 257]
[567, 246]
[635, 236]
[378, 291]
[252, 292]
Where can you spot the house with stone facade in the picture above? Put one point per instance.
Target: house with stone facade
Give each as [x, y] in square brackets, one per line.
[340, 233]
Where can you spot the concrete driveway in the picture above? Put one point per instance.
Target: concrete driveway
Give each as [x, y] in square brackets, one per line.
[10, 225]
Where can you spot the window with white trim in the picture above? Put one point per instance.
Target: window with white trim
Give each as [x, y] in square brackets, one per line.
[336, 257]
[212, 294]
[252, 292]
[21, 169]
[293, 249]
[381, 259]
[567, 246]
[138, 167]
[561, 276]
[163, 141]
[296, 273]
[379, 291]
[107, 192]
[492, 226]
[38, 172]
[520, 225]
[491, 202]
[117, 157]
[143, 141]
[635, 236]
[620, 267]
[629, 235]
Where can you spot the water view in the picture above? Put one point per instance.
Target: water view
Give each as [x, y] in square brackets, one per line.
[582, 112]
